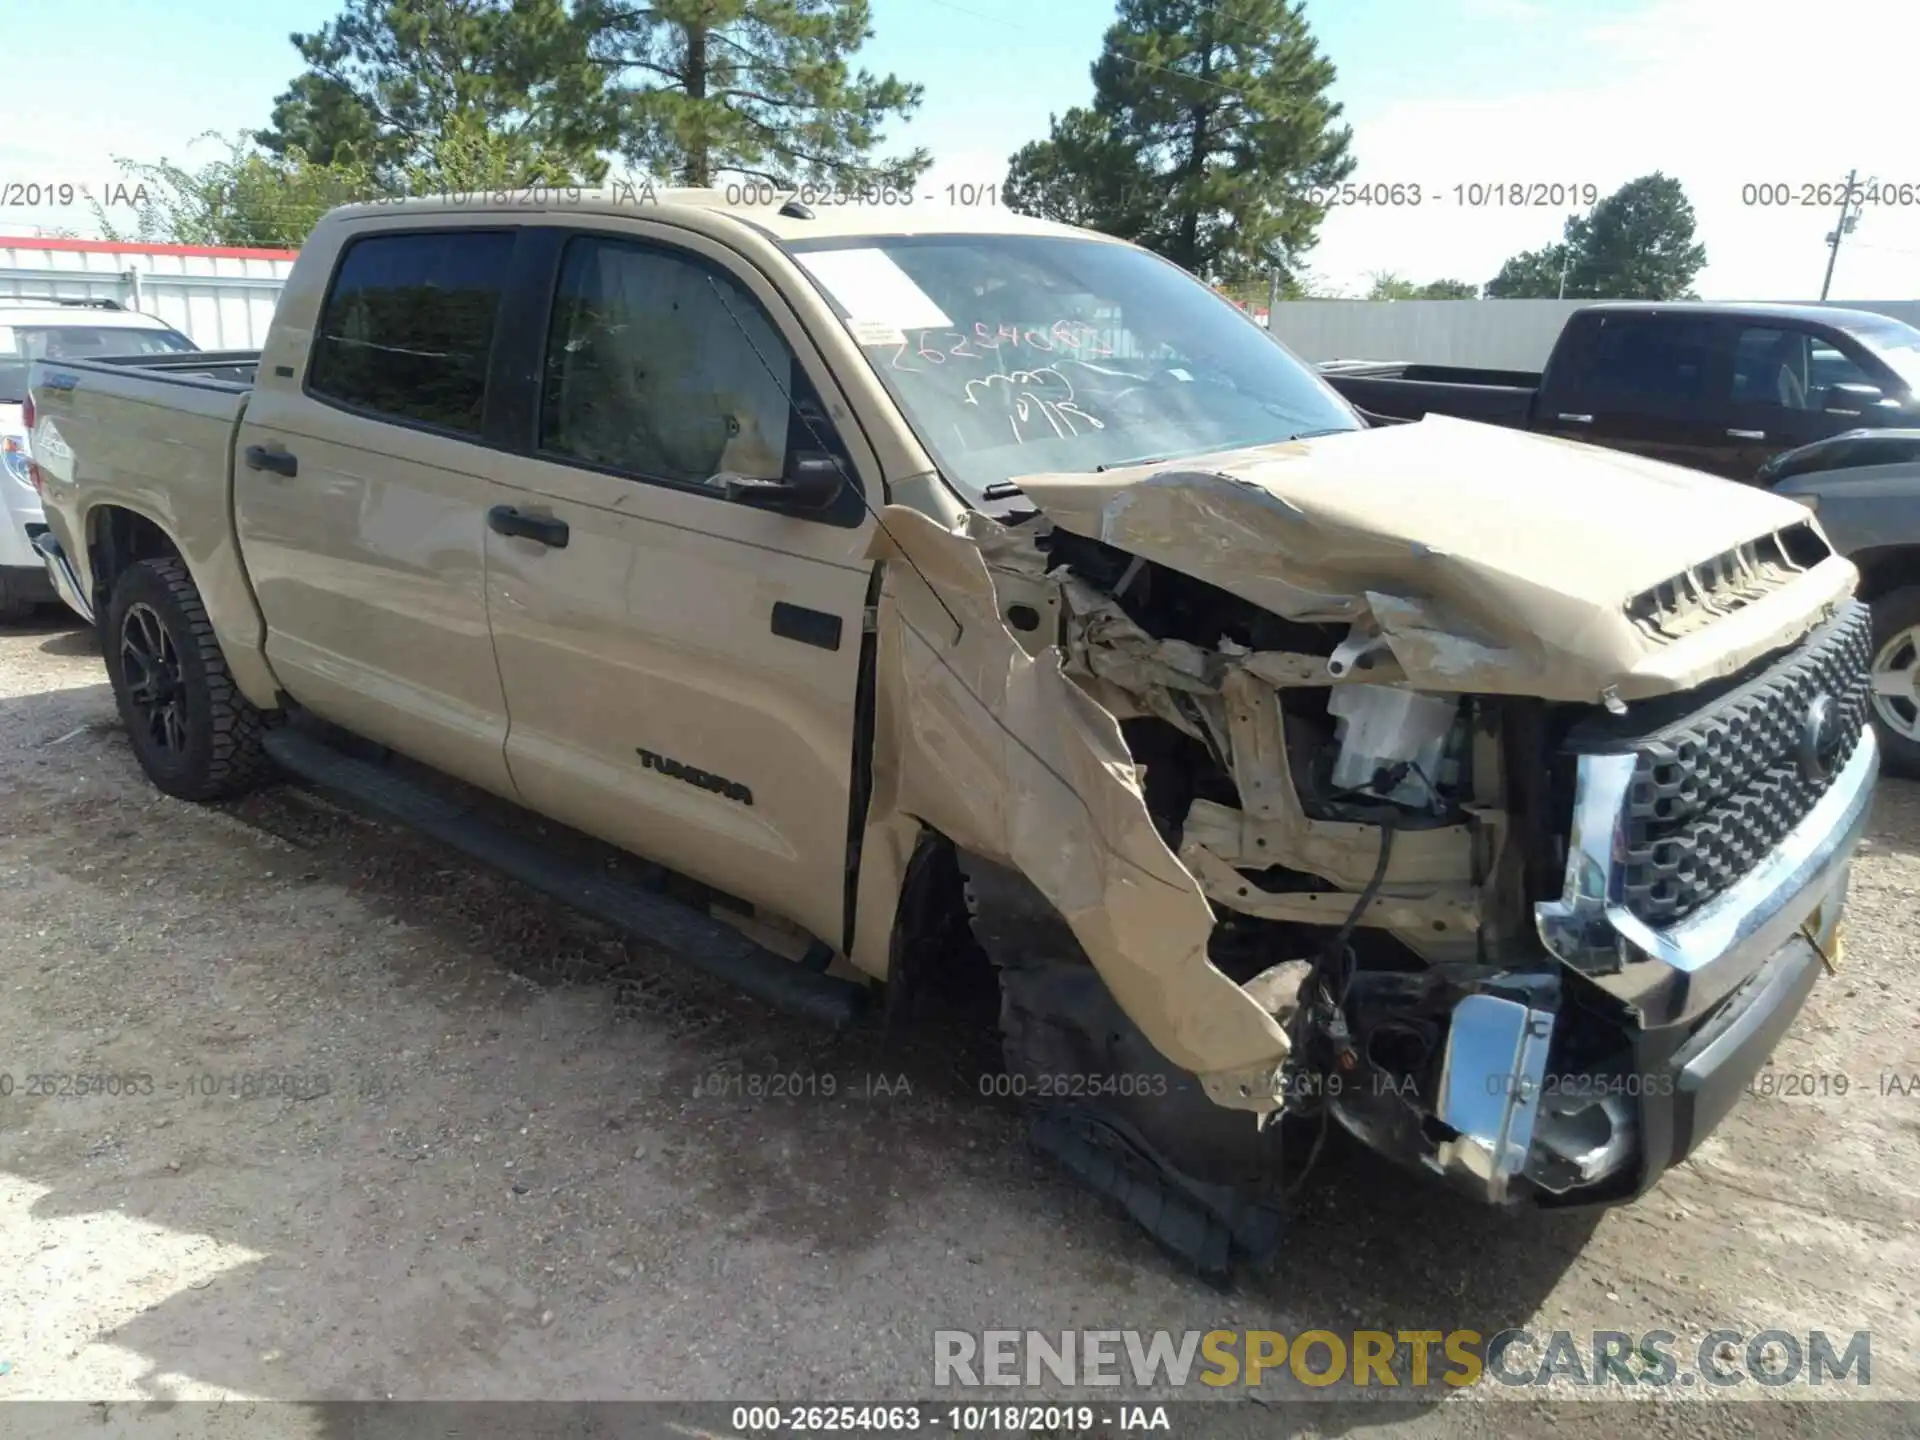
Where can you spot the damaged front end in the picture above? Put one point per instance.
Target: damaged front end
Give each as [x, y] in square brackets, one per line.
[1316, 826]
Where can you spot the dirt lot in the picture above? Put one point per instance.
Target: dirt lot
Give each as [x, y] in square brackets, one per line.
[479, 1154]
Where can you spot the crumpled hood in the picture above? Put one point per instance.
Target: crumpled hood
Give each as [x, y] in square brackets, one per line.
[1491, 559]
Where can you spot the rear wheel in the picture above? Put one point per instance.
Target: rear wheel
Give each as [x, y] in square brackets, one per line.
[1896, 679]
[192, 730]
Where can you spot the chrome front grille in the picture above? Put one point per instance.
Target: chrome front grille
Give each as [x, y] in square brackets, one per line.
[1712, 794]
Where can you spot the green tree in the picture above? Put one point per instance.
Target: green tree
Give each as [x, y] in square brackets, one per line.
[1209, 133]
[1085, 173]
[386, 79]
[760, 88]
[1636, 244]
[1390, 286]
[248, 198]
[254, 197]
[1531, 275]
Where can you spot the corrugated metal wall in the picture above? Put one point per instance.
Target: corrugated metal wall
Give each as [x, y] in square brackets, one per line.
[1490, 334]
[221, 298]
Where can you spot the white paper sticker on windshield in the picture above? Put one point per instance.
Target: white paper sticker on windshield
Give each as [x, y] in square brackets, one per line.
[874, 289]
[878, 332]
[7, 346]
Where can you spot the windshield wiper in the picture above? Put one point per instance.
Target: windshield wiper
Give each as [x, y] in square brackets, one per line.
[1128, 464]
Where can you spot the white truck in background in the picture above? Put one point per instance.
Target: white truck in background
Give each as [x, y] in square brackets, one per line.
[46, 329]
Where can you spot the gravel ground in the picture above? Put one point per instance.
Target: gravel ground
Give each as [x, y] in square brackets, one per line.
[480, 1154]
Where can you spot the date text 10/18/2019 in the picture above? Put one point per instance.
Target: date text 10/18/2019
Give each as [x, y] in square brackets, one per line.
[1014, 1419]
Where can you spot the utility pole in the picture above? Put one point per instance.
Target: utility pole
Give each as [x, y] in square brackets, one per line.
[1849, 217]
[1566, 252]
[1273, 294]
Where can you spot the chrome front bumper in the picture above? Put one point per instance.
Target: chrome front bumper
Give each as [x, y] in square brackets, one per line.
[60, 571]
[1708, 997]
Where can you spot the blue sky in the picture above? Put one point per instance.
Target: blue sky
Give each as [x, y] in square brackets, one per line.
[1440, 92]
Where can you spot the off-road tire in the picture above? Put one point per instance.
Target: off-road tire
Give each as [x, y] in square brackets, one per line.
[218, 730]
[1894, 612]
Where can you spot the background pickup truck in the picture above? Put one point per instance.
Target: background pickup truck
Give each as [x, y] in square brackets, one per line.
[1720, 388]
[957, 603]
[1865, 486]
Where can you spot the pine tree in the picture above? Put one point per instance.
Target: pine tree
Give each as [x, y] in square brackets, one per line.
[388, 81]
[1209, 131]
[760, 88]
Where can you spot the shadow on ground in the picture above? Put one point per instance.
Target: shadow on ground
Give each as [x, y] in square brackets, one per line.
[391, 1262]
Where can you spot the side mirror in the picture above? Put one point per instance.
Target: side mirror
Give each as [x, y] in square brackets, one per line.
[812, 482]
[1851, 399]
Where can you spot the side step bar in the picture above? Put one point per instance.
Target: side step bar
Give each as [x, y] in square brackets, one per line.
[701, 941]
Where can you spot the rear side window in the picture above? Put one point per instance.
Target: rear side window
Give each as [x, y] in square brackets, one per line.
[1667, 359]
[408, 326]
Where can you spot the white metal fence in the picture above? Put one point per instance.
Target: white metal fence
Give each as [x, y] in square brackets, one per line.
[222, 298]
[1487, 334]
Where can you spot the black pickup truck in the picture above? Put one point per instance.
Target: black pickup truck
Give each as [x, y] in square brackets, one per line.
[1721, 388]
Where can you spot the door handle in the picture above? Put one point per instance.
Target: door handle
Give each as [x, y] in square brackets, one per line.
[543, 529]
[272, 457]
[1747, 434]
[1575, 419]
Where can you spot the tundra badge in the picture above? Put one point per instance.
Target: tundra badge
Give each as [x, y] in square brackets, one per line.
[703, 779]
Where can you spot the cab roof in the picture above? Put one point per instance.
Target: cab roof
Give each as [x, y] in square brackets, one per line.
[1758, 310]
[925, 213]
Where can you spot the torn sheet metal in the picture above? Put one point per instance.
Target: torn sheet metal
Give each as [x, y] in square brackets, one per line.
[1009, 758]
[1506, 560]
[1227, 699]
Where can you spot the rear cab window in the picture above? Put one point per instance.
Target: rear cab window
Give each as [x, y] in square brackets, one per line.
[408, 325]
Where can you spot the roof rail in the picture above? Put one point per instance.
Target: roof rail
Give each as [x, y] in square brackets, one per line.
[48, 302]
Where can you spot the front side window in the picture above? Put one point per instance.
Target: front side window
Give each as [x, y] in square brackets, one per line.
[1894, 343]
[408, 326]
[660, 367]
[1015, 355]
[1791, 369]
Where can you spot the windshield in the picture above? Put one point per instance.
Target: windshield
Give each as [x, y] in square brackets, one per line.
[1895, 343]
[21, 345]
[1015, 355]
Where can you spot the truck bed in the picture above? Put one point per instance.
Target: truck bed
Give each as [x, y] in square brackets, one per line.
[1411, 392]
[225, 369]
[155, 438]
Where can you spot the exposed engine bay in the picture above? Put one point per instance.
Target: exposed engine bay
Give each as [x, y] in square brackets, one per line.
[1357, 824]
[1356, 839]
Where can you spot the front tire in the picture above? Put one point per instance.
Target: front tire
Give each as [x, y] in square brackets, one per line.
[1896, 679]
[194, 733]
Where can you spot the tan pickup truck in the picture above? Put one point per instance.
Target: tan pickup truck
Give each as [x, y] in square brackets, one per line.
[945, 590]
